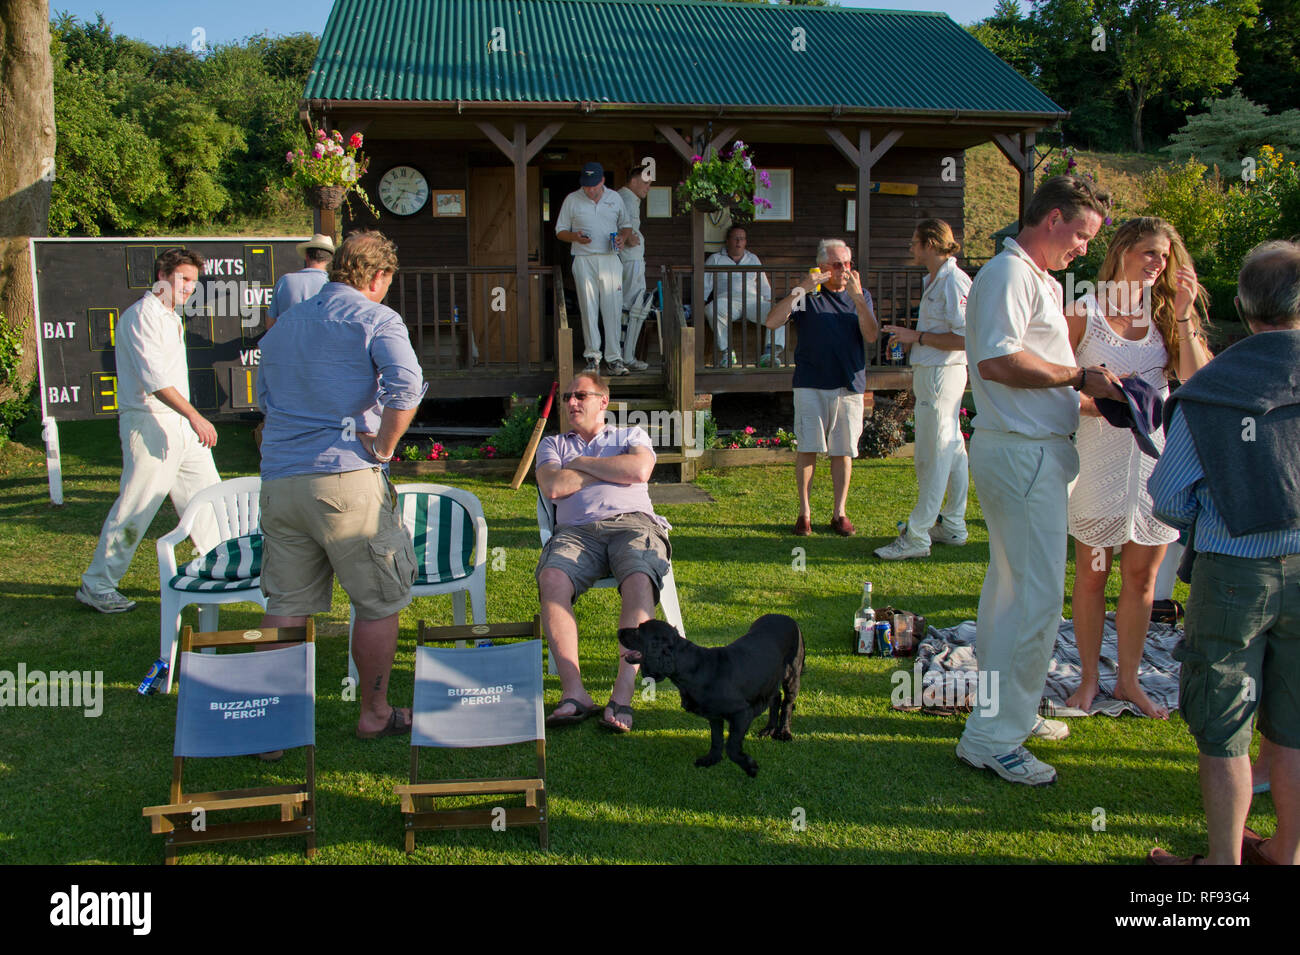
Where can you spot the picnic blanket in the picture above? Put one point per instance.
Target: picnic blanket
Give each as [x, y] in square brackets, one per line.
[947, 682]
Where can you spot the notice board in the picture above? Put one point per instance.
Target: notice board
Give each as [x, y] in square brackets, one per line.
[83, 285]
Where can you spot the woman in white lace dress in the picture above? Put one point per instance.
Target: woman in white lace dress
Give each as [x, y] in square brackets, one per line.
[1143, 320]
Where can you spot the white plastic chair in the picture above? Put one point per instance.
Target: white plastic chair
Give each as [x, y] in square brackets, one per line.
[449, 532]
[234, 506]
[667, 593]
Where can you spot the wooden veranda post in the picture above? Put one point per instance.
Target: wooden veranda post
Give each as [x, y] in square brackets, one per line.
[1019, 150]
[863, 158]
[520, 152]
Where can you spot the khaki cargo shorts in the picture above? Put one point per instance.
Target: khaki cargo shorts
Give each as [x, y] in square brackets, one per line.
[316, 526]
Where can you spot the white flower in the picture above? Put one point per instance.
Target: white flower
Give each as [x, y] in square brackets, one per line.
[748, 165]
[349, 169]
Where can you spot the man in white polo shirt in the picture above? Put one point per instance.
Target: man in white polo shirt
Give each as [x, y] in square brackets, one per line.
[165, 441]
[636, 304]
[588, 218]
[736, 296]
[1026, 387]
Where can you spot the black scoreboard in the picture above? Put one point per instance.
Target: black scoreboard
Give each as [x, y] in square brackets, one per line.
[83, 286]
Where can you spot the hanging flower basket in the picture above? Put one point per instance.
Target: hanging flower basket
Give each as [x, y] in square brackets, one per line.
[724, 180]
[325, 197]
[329, 170]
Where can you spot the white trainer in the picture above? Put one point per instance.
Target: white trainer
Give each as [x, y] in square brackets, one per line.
[110, 601]
[901, 549]
[941, 535]
[1050, 729]
[635, 364]
[1018, 766]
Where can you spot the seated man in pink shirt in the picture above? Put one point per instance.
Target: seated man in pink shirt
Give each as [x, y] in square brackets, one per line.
[605, 526]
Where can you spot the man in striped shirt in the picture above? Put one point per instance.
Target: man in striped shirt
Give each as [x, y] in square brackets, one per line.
[1228, 472]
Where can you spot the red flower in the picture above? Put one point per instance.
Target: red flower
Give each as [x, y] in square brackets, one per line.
[749, 429]
[355, 141]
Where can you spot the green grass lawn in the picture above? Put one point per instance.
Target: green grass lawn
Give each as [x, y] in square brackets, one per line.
[872, 785]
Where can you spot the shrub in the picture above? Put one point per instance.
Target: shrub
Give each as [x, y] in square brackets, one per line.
[884, 431]
[1193, 202]
[1232, 129]
[511, 439]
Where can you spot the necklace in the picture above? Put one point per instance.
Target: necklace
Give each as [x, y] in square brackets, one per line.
[1116, 310]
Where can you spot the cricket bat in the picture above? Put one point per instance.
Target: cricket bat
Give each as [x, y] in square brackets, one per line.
[535, 440]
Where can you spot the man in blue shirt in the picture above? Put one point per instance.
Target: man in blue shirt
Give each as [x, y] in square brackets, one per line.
[340, 384]
[1229, 472]
[830, 374]
[296, 287]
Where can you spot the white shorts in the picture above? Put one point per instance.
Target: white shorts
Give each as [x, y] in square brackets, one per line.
[828, 421]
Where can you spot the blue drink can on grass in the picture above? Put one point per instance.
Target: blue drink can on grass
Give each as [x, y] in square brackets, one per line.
[154, 679]
[884, 642]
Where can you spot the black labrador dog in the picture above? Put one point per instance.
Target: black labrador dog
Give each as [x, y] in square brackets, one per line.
[735, 683]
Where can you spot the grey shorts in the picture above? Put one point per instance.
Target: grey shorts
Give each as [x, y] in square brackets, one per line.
[617, 547]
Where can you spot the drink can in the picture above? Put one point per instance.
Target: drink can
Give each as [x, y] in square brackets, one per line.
[613, 240]
[884, 644]
[896, 351]
[154, 679]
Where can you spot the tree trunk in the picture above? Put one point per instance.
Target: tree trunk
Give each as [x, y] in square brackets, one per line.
[26, 161]
[1137, 102]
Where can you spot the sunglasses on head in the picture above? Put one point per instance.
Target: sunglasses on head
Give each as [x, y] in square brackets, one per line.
[580, 395]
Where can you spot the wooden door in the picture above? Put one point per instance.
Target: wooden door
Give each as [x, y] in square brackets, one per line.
[493, 307]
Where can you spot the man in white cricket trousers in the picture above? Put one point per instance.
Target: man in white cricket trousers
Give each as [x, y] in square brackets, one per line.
[635, 302]
[165, 442]
[1026, 387]
[587, 218]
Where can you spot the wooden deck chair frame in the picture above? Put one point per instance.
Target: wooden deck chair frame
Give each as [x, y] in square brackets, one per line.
[418, 799]
[297, 803]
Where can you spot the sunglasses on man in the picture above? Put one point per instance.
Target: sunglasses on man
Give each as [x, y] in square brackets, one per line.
[580, 395]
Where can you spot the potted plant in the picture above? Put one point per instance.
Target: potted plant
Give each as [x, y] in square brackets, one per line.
[329, 171]
[724, 179]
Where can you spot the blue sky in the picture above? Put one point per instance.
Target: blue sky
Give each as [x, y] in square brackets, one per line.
[226, 21]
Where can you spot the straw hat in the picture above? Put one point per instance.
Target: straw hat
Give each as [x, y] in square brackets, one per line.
[318, 241]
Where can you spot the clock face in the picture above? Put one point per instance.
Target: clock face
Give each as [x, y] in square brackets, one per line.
[403, 190]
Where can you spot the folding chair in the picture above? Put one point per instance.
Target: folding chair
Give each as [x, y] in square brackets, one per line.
[486, 696]
[229, 573]
[449, 532]
[236, 704]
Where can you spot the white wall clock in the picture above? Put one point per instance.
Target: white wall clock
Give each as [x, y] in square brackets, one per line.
[403, 190]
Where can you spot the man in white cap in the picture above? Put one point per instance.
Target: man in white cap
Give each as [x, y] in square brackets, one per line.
[294, 287]
[594, 220]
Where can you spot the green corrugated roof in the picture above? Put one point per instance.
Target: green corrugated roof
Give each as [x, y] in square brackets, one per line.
[660, 52]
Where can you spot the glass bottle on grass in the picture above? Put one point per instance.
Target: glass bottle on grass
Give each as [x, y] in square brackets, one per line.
[864, 624]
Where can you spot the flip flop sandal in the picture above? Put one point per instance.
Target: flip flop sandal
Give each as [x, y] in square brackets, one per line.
[620, 709]
[582, 714]
[395, 727]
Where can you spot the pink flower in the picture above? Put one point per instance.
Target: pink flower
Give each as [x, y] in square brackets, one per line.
[765, 179]
[320, 134]
[697, 159]
[338, 137]
[734, 444]
[317, 153]
[288, 157]
[749, 429]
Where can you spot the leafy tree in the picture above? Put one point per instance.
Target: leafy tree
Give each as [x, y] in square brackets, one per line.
[1175, 48]
[1011, 36]
[1268, 51]
[1233, 129]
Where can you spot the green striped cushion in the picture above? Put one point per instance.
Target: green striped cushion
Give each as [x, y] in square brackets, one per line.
[234, 564]
[443, 533]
